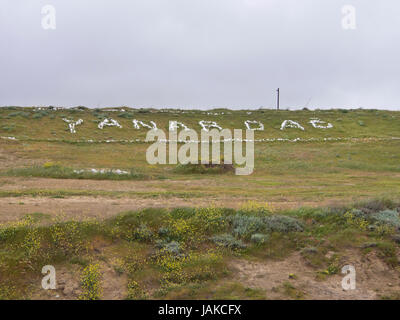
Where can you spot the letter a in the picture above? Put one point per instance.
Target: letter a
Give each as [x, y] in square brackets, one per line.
[49, 20]
[49, 281]
[349, 281]
[349, 19]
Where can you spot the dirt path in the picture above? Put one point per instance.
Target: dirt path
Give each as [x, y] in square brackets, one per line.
[105, 205]
[82, 207]
[14, 208]
[22, 183]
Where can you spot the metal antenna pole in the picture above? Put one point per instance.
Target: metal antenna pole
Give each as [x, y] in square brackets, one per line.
[278, 98]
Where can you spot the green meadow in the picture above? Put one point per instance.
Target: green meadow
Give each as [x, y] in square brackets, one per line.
[364, 162]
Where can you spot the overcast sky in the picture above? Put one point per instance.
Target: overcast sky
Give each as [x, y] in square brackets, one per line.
[200, 53]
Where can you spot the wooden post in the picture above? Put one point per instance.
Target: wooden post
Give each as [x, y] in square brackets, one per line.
[278, 98]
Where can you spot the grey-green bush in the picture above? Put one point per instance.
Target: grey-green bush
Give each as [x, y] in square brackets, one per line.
[228, 241]
[244, 226]
[283, 224]
[389, 217]
[143, 233]
[173, 247]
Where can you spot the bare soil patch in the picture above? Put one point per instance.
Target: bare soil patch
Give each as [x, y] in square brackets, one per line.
[78, 208]
[374, 278]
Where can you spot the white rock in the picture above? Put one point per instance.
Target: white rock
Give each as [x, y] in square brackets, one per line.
[291, 124]
[206, 125]
[174, 125]
[316, 123]
[138, 123]
[72, 124]
[249, 122]
[109, 123]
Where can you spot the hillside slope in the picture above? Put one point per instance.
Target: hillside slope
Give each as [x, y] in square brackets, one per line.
[48, 123]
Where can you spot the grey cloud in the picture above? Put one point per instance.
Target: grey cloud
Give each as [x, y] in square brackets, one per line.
[200, 53]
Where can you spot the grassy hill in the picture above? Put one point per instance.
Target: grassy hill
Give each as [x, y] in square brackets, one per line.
[45, 123]
[358, 157]
[167, 231]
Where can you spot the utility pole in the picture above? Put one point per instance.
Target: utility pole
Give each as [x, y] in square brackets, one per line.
[278, 98]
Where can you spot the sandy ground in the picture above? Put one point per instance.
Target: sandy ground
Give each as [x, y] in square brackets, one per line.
[22, 183]
[12, 209]
[82, 207]
[78, 207]
[373, 278]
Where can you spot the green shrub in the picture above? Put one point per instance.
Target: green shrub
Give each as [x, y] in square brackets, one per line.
[40, 114]
[358, 214]
[54, 170]
[22, 114]
[142, 233]
[376, 205]
[284, 224]
[259, 238]
[334, 265]
[126, 115]
[182, 213]
[388, 252]
[244, 226]
[356, 219]
[8, 128]
[181, 230]
[67, 237]
[208, 220]
[132, 263]
[163, 232]
[135, 292]
[203, 168]
[32, 243]
[309, 251]
[7, 233]
[90, 282]
[228, 241]
[8, 292]
[172, 247]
